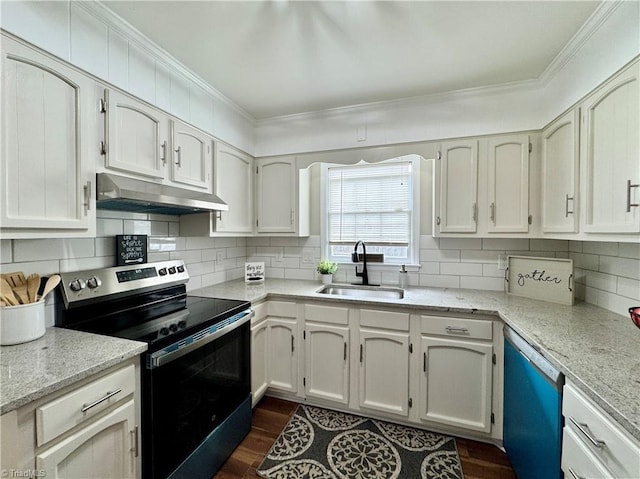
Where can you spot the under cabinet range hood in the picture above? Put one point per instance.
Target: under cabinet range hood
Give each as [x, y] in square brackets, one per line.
[121, 193]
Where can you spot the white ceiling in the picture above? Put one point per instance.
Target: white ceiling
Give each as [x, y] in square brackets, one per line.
[283, 57]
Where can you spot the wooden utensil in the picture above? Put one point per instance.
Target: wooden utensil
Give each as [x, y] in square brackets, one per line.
[52, 282]
[15, 279]
[20, 292]
[6, 293]
[33, 284]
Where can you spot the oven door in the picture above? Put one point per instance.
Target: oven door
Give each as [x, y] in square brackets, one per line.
[190, 389]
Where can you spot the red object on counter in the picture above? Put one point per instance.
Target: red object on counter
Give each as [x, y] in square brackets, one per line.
[635, 315]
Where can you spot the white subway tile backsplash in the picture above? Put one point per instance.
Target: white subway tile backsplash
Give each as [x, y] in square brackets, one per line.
[197, 242]
[258, 241]
[429, 267]
[613, 302]
[284, 241]
[109, 227]
[491, 270]
[121, 215]
[225, 242]
[159, 228]
[310, 242]
[159, 244]
[174, 229]
[548, 245]
[190, 256]
[105, 246]
[429, 242]
[5, 251]
[480, 256]
[629, 250]
[513, 244]
[609, 249]
[43, 268]
[152, 257]
[214, 278]
[626, 267]
[44, 249]
[629, 288]
[439, 281]
[443, 256]
[157, 217]
[585, 261]
[292, 273]
[136, 227]
[461, 243]
[461, 269]
[601, 281]
[575, 246]
[80, 264]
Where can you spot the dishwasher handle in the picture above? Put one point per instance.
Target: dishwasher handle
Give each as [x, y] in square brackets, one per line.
[537, 360]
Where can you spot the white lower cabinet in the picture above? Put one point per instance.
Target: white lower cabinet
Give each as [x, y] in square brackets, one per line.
[282, 329]
[455, 384]
[384, 361]
[104, 449]
[593, 444]
[326, 336]
[87, 430]
[259, 354]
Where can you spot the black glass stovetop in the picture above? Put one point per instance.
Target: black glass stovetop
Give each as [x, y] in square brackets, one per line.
[158, 318]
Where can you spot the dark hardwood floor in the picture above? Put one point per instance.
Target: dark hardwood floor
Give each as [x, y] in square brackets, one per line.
[479, 460]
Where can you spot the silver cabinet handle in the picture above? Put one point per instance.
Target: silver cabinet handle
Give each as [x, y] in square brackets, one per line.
[109, 395]
[455, 329]
[164, 152]
[344, 354]
[87, 190]
[629, 204]
[567, 198]
[493, 213]
[475, 212]
[584, 429]
[179, 152]
[575, 476]
[134, 441]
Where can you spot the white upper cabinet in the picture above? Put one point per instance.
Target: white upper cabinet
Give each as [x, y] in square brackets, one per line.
[458, 182]
[192, 156]
[508, 184]
[233, 183]
[560, 167]
[137, 136]
[46, 166]
[610, 156]
[282, 197]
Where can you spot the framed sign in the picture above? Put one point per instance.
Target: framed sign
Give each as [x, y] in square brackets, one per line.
[547, 279]
[254, 272]
[131, 249]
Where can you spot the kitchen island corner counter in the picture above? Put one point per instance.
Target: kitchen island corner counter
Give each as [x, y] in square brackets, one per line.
[595, 348]
[60, 358]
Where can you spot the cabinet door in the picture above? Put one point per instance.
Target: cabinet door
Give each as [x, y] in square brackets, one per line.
[456, 383]
[104, 449]
[283, 363]
[192, 156]
[276, 196]
[232, 176]
[560, 174]
[45, 166]
[327, 362]
[137, 136]
[384, 371]
[508, 190]
[458, 187]
[611, 156]
[259, 358]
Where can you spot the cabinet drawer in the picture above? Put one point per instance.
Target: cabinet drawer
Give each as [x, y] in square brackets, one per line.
[62, 414]
[384, 319]
[620, 454]
[260, 311]
[577, 460]
[326, 314]
[459, 327]
[283, 309]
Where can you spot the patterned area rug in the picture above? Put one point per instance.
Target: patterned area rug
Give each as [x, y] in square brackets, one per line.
[322, 444]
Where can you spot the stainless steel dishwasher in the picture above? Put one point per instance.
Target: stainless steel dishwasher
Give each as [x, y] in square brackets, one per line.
[532, 410]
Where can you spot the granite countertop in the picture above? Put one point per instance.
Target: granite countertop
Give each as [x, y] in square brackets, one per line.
[595, 348]
[61, 357]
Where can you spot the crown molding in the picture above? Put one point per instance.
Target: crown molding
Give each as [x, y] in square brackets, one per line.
[575, 44]
[120, 25]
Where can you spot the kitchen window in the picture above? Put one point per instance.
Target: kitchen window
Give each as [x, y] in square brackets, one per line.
[373, 202]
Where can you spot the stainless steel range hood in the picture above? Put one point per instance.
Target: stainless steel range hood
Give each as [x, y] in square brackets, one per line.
[120, 193]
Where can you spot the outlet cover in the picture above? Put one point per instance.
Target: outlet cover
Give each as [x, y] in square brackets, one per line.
[219, 256]
[307, 256]
[502, 262]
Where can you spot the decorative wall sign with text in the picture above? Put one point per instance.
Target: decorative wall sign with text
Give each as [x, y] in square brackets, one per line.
[131, 249]
[254, 272]
[548, 279]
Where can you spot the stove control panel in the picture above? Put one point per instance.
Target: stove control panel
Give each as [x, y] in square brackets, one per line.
[121, 280]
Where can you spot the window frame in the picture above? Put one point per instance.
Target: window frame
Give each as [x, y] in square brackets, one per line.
[413, 248]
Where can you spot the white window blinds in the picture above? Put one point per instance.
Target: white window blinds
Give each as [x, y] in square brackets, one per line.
[370, 203]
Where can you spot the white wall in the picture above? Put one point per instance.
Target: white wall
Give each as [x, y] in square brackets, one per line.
[609, 41]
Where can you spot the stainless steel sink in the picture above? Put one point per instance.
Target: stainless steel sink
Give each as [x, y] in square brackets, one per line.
[355, 291]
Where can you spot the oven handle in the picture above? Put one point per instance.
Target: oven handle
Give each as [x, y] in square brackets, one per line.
[162, 357]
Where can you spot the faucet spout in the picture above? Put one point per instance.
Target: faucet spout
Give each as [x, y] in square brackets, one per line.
[354, 257]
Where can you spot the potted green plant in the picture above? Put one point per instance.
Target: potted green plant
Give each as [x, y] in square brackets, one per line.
[326, 269]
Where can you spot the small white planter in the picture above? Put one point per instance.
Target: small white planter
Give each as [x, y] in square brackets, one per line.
[327, 278]
[22, 323]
